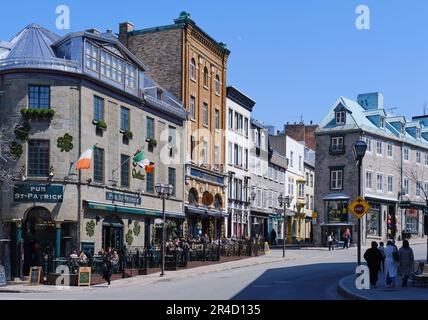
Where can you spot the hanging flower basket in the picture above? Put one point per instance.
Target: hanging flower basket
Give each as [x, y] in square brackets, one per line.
[35, 113]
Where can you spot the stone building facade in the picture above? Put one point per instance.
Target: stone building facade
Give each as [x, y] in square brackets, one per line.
[192, 65]
[84, 90]
[393, 172]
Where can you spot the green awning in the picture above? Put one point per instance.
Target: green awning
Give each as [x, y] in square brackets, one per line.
[122, 209]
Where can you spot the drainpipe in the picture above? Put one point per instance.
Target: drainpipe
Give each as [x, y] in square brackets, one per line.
[79, 183]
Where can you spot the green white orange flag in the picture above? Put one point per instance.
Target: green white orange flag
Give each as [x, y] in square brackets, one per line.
[141, 160]
[85, 159]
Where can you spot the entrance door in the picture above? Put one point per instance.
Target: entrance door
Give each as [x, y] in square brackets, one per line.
[39, 238]
[148, 232]
[113, 233]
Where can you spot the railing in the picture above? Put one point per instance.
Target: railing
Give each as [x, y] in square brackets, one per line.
[53, 63]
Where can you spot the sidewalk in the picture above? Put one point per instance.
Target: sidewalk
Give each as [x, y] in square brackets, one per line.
[347, 288]
[272, 257]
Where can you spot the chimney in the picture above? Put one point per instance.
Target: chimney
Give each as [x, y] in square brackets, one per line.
[124, 29]
[93, 31]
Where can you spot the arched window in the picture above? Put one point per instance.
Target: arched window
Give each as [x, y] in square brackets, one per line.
[205, 77]
[193, 196]
[217, 84]
[256, 138]
[263, 141]
[192, 69]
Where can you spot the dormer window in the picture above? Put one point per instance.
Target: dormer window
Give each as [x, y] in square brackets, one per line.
[340, 117]
[418, 133]
[402, 129]
[382, 122]
[159, 94]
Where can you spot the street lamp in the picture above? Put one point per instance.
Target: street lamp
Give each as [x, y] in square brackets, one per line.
[360, 148]
[164, 192]
[284, 201]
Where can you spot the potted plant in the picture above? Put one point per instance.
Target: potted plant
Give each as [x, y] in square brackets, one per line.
[127, 134]
[100, 124]
[36, 113]
[153, 142]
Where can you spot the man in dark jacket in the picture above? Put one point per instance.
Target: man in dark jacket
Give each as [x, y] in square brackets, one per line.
[374, 258]
[273, 237]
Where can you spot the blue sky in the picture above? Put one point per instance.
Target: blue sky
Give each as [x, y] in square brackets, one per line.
[294, 57]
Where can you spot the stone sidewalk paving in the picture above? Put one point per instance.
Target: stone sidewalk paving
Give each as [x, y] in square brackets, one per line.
[272, 257]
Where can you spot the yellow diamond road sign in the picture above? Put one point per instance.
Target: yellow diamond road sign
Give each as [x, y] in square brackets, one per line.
[359, 207]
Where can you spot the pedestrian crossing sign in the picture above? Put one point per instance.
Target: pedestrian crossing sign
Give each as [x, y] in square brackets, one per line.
[359, 207]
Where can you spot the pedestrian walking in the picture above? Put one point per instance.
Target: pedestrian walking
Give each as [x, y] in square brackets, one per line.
[107, 265]
[330, 241]
[273, 237]
[374, 258]
[382, 250]
[391, 258]
[406, 261]
[345, 236]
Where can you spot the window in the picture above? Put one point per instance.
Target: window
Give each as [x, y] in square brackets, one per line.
[246, 127]
[98, 165]
[240, 154]
[379, 182]
[368, 180]
[264, 199]
[92, 56]
[312, 203]
[39, 97]
[216, 155]
[389, 150]
[374, 220]
[259, 198]
[98, 109]
[382, 122]
[241, 123]
[111, 67]
[418, 133]
[337, 144]
[217, 84]
[368, 141]
[206, 77]
[426, 159]
[124, 119]
[291, 159]
[301, 192]
[171, 180]
[307, 202]
[379, 147]
[236, 155]
[418, 157]
[236, 121]
[402, 129]
[204, 152]
[256, 138]
[192, 69]
[192, 107]
[337, 211]
[150, 182]
[230, 153]
[192, 147]
[307, 179]
[124, 170]
[159, 94]
[425, 187]
[340, 117]
[231, 119]
[390, 184]
[418, 187]
[263, 141]
[172, 136]
[406, 185]
[300, 163]
[131, 76]
[205, 113]
[406, 154]
[336, 178]
[312, 180]
[150, 128]
[246, 159]
[38, 158]
[217, 119]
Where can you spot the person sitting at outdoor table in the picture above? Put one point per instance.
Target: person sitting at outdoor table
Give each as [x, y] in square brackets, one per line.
[83, 259]
[115, 261]
[74, 255]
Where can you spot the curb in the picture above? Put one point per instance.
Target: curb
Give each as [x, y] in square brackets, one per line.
[341, 289]
[155, 280]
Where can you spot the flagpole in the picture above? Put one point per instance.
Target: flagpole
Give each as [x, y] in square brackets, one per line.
[117, 168]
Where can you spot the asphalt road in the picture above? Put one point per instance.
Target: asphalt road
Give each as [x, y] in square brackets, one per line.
[313, 275]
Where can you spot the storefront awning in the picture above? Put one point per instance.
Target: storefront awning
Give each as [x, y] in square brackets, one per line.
[205, 212]
[336, 196]
[131, 210]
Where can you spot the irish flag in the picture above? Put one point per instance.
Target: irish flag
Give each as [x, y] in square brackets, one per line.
[85, 159]
[141, 160]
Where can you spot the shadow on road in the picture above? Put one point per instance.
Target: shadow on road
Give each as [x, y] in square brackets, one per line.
[305, 282]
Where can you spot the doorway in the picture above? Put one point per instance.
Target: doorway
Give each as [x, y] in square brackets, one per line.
[39, 237]
[112, 233]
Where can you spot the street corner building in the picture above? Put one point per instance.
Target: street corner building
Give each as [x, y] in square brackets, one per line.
[194, 68]
[394, 178]
[84, 92]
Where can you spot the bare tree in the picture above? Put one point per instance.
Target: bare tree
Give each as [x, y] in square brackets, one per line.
[8, 147]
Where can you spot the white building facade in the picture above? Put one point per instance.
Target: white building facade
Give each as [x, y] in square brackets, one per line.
[238, 144]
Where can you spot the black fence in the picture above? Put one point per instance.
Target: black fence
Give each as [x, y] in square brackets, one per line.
[144, 259]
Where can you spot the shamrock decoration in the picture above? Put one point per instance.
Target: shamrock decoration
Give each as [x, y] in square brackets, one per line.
[22, 131]
[137, 228]
[90, 228]
[129, 237]
[15, 150]
[64, 143]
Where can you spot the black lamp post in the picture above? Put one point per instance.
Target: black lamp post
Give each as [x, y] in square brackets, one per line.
[360, 149]
[284, 201]
[164, 192]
